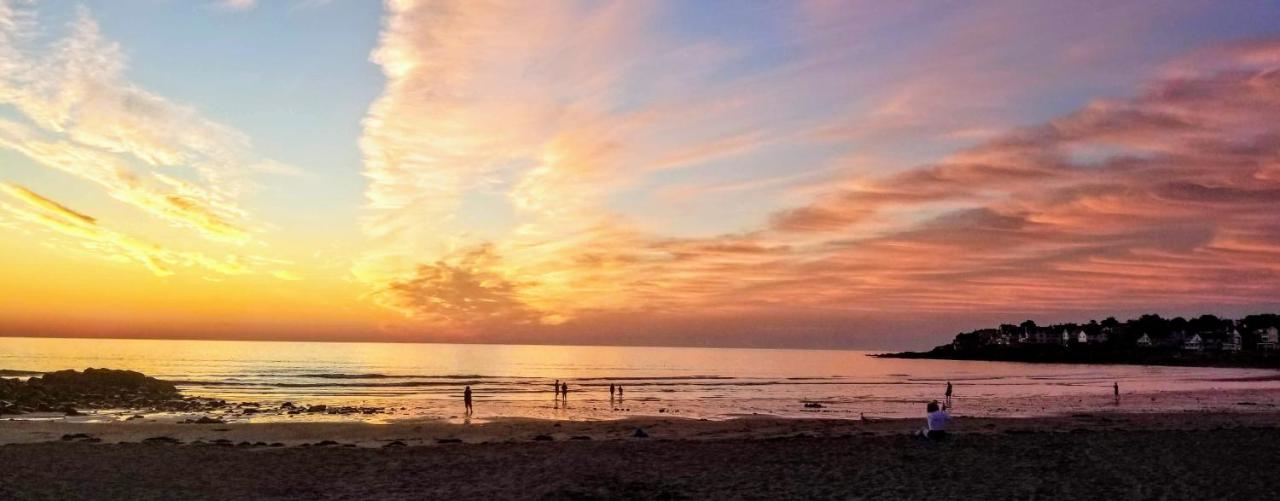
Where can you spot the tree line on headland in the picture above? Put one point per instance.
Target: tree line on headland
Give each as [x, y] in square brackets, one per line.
[1207, 340]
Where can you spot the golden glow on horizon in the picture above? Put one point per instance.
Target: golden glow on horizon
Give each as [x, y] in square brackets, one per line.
[558, 170]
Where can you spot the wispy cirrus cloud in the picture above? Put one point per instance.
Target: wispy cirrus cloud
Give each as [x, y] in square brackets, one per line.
[94, 238]
[1156, 199]
[78, 114]
[237, 5]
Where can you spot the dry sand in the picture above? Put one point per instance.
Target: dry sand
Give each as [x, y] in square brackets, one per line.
[1085, 456]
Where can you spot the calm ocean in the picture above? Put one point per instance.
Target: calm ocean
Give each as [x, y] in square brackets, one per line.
[420, 380]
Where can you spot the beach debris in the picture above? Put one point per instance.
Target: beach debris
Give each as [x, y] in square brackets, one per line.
[78, 437]
[318, 408]
[640, 433]
[71, 411]
[812, 405]
[206, 420]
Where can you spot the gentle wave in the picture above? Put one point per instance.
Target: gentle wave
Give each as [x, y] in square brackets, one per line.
[479, 376]
[659, 382]
[390, 376]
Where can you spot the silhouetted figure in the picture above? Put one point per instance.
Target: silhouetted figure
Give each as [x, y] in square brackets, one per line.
[948, 394]
[466, 399]
[935, 421]
[611, 389]
[564, 391]
[1115, 388]
[556, 388]
[619, 393]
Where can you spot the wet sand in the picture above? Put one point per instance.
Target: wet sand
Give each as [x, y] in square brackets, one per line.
[1192, 455]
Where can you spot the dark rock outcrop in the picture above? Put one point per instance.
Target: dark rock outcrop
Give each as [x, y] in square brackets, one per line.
[91, 389]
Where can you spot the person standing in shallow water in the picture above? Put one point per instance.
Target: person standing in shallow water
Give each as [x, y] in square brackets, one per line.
[610, 392]
[466, 399]
[1115, 388]
[948, 394]
[564, 391]
[555, 387]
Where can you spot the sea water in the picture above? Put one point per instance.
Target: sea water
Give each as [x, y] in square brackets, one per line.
[427, 380]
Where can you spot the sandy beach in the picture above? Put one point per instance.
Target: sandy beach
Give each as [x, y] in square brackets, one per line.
[1190, 455]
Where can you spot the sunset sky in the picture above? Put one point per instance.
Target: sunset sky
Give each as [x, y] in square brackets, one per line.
[829, 173]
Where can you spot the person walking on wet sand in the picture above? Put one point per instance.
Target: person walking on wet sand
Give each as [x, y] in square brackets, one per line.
[619, 393]
[466, 399]
[1115, 388]
[948, 394]
[611, 392]
[556, 388]
[564, 391]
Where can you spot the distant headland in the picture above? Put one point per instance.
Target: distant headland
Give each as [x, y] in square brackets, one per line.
[1207, 340]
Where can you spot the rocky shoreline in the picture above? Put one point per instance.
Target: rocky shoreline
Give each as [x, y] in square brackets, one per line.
[69, 392]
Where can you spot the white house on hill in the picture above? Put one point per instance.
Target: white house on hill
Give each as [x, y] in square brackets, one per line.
[1268, 338]
[1194, 344]
[1233, 341]
[1082, 338]
[1145, 340]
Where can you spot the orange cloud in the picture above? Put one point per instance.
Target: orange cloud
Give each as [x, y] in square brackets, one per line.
[1162, 199]
[102, 241]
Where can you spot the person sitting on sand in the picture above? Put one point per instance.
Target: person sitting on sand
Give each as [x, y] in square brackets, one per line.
[466, 399]
[935, 421]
